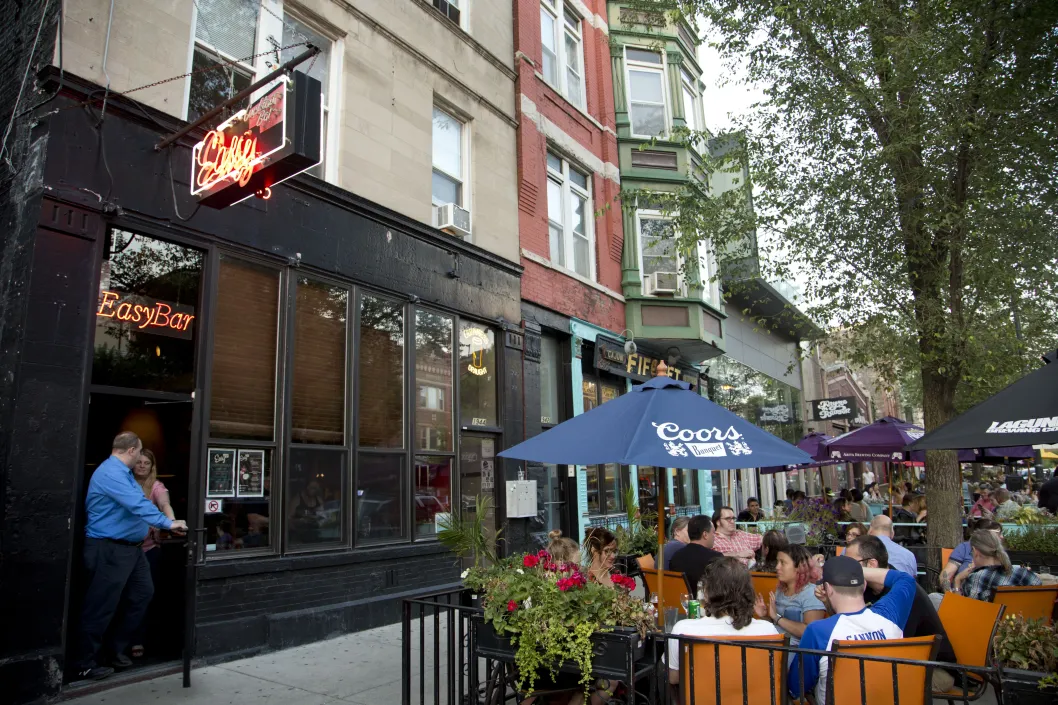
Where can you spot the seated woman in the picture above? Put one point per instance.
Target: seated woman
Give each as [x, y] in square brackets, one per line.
[601, 546]
[563, 549]
[853, 531]
[774, 541]
[991, 569]
[794, 605]
[727, 610]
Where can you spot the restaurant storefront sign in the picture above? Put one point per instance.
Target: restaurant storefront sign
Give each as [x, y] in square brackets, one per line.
[834, 409]
[610, 356]
[775, 413]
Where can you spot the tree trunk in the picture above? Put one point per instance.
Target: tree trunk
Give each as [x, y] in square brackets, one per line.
[943, 477]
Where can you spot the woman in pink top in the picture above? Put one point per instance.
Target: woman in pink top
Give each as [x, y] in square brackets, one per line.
[146, 473]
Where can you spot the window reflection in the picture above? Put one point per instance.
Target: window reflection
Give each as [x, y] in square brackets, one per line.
[433, 381]
[314, 498]
[318, 404]
[433, 492]
[477, 375]
[746, 392]
[146, 316]
[379, 488]
[381, 373]
[243, 522]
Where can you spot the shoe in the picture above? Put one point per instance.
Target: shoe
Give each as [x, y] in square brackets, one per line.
[121, 661]
[95, 673]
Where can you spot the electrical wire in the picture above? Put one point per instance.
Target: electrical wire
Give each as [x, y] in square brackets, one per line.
[62, 74]
[22, 87]
[172, 185]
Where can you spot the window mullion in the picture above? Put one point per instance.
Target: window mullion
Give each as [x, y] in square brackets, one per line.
[567, 195]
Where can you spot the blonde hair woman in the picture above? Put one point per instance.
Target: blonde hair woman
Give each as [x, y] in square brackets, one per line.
[991, 568]
[146, 473]
[562, 549]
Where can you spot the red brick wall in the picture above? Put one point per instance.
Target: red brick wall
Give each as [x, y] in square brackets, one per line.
[540, 285]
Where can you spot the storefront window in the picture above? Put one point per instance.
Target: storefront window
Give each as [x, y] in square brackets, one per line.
[318, 399]
[591, 394]
[550, 381]
[685, 487]
[379, 493]
[606, 488]
[245, 334]
[381, 373]
[433, 381]
[433, 492]
[239, 485]
[775, 406]
[146, 317]
[477, 376]
[315, 496]
[647, 477]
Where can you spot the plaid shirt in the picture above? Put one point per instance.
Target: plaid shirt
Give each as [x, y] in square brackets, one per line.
[738, 541]
[982, 583]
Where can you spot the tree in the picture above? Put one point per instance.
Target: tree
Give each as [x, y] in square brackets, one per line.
[906, 153]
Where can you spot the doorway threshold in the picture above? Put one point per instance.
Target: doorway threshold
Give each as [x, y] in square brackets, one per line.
[137, 674]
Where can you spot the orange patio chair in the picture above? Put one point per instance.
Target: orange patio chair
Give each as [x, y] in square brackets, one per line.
[646, 562]
[675, 585]
[880, 681]
[765, 682]
[839, 551]
[970, 625]
[945, 554]
[764, 583]
[1029, 601]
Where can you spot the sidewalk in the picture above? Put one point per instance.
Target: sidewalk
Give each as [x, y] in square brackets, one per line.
[355, 669]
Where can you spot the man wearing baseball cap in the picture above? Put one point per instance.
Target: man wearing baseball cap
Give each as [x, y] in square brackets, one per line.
[842, 589]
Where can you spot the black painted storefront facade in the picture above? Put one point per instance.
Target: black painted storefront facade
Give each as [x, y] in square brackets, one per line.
[59, 209]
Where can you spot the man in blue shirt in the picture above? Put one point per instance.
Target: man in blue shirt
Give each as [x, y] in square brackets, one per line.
[899, 557]
[118, 517]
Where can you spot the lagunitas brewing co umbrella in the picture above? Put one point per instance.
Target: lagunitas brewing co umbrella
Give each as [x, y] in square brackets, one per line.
[1025, 413]
[659, 423]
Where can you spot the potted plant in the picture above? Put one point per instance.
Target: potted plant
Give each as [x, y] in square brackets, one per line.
[819, 518]
[638, 537]
[1027, 654]
[547, 616]
[1034, 545]
[466, 535]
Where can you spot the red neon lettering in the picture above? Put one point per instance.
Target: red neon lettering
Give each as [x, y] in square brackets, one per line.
[218, 160]
[156, 315]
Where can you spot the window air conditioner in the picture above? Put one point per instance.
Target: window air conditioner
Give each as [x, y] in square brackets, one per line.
[453, 219]
[662, 283]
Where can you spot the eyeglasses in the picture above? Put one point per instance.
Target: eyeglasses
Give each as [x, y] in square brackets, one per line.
[730, 518]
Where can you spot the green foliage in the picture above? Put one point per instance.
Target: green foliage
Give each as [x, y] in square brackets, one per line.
[639, 536]
[1029, 514]
[1038, 538]
[551, 611]
[820, 519]
[465, 534]
[1029, 645]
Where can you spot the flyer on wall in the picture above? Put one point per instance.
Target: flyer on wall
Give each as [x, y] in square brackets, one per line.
[251, 473]
[220, 473]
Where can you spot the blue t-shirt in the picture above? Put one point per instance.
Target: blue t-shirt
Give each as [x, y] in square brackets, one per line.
[899, 557]
[963, 555]
[883, 620]
[671, 547]
[794, 607]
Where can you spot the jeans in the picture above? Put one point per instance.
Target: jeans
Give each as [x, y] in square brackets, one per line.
[118, 576]
[153, 557]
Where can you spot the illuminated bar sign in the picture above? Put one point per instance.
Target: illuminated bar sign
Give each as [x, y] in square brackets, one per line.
[277, 137]
[146, 315]
[610, 356]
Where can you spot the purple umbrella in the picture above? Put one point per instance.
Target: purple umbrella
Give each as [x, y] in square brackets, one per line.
[884, 440]
[815, 445]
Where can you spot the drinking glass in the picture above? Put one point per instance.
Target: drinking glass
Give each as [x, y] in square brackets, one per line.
[684, 599]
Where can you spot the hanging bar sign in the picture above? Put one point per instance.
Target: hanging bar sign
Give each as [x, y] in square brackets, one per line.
[277, 137]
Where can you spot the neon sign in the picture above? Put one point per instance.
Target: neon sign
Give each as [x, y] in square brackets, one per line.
[477, 341]
[277, 137]
[146, 315]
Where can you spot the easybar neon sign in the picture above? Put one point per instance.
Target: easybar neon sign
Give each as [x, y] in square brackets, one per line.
[147, 315]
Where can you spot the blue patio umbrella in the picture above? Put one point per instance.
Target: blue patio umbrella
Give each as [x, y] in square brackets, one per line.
[660, 423]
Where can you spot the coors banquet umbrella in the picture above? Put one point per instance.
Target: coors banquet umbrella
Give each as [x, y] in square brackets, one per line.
[1025, 413]
[659, 423]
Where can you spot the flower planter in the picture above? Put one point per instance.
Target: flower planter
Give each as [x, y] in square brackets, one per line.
[614, 653]
[627, 563]
[1033, 558]
[1023, 688]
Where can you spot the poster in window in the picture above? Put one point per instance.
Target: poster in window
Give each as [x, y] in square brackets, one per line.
[251, 473]
[220, 473]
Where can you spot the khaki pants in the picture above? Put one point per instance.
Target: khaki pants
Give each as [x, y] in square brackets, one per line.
[942, 681]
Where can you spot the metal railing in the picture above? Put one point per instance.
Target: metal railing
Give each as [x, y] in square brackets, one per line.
[443, 663]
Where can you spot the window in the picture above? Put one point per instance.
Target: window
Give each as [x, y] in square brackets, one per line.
[146, 318]
[433, 379]
[606, 488]
[318, 397]
[380, 497]
[684, 487]
[477, 376]
[691, 103]
[569, 217]
[563, 51]
[296, 32]
[451, 10]
[315, 496]
[381, 373]
[646, 93]
[657, 251]
[433, 492]
[550, 381]
[447, 159]
[224, 32]
[245, 335]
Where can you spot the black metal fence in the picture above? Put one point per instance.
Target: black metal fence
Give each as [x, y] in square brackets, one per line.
[451, 656]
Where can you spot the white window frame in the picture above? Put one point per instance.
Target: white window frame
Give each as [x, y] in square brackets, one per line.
[707, 268]
[661, 70]
[558, 10]
[568, 188]
[268, 25]
[648, 214]
[464, 162]
[425, 398]
[464, 13]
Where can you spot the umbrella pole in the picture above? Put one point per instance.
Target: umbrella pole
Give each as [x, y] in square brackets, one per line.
[661, 548]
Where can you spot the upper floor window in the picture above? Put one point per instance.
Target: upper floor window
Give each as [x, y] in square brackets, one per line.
[659, 258]
[563, 49]
[691, 102]
[454, 10]
[569, 217]
[646, 93]
[448, 159]
[296, 32]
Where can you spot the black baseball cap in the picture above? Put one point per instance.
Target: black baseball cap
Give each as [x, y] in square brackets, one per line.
[842, 571]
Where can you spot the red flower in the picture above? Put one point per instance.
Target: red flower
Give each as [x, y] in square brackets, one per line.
[512, 606]
[542, 554]
[530, 561]
[624, 581]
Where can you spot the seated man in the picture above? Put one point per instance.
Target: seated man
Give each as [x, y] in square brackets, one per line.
[692, 559]
[752, 512]
[732, 542]
[842, 590]
[923, 619]
[727, 610]
[899, 557]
